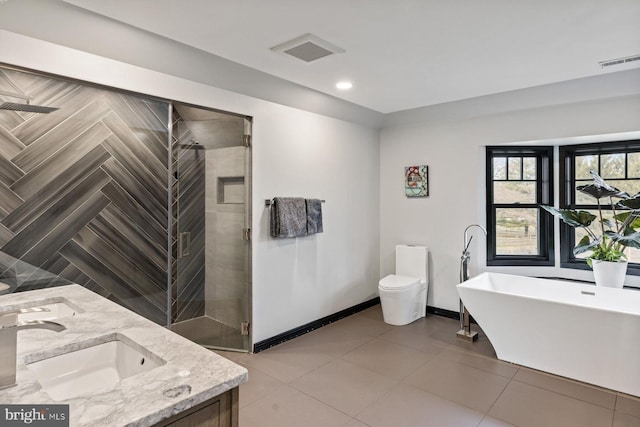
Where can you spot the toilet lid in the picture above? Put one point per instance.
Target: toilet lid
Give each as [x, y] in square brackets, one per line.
[395, 282]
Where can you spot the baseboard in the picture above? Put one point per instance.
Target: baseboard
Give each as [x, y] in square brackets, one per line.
[301, 330]
[447, 313]
[443, 312]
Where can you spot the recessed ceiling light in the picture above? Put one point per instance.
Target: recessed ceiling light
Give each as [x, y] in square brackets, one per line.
[344, 85]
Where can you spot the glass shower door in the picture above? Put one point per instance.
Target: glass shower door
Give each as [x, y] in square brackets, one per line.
[211, 291]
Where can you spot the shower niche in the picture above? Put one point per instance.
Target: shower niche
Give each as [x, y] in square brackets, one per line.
[230, 189]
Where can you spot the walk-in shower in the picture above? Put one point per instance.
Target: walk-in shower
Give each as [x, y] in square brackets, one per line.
[141, 200]
[212, 167]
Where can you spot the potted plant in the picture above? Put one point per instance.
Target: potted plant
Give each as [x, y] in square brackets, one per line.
[613, 235]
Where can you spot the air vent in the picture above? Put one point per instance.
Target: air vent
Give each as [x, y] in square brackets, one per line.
[307, 48]
[619, 61]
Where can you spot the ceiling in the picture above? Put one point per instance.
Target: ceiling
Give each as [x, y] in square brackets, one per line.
[402, 54]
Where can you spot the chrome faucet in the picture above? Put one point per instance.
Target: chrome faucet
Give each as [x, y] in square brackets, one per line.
[465, 331]
[9, 327]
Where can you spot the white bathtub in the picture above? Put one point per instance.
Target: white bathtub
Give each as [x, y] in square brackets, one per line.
[575, 330]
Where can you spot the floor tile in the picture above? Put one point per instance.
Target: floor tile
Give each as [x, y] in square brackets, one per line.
[481, 346]
[406, 406]
[344, 386]
[361, 372]
[387, 358]
[459, 383]
[258, 386]
[528, 406]
[363, 325]
[625, 420]
[581, 391]
[492, 422]
[356, 423]
[286, 364]
[328, 341]
[287, 407]
[484, 363]
[628, 405]
[234, 356]
[415, 335]
[374, 313]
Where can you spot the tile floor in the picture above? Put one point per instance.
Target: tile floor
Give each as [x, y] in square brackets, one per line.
[360, 371]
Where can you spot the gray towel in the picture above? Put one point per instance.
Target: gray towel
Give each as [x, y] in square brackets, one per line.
[314, 216]
[288, 217]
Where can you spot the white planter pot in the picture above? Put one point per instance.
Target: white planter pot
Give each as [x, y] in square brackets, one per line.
[610, 274]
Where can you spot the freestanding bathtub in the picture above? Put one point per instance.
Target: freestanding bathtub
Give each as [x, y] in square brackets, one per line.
[575, 330]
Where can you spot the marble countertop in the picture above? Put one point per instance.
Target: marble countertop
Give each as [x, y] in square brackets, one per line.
[191, 374]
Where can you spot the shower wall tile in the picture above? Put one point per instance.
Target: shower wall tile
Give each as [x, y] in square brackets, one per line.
[188, 288]
[9, 144]
[56, 139]
[66, 158]
[27, 211]
[211, 193]
[230, 161]
[74, 101]
[83, 191]
[210, 253]
[225, 261]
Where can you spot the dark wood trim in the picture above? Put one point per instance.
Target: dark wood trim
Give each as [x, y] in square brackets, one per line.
[306, 328]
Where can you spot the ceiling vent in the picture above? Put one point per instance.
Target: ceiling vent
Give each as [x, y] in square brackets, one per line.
[307, 48]
[619, 61]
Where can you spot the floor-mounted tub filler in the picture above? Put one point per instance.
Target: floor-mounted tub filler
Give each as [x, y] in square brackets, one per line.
[575, 330]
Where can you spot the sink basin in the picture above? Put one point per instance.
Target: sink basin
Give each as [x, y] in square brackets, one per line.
[94, 369]
[57, 310]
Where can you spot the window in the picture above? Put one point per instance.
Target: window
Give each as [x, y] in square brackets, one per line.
[519, 179]
[619, 164]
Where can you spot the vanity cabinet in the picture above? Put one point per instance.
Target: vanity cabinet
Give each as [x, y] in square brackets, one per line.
[220, 411]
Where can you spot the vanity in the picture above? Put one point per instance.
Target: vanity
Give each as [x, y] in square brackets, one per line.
[112, 366]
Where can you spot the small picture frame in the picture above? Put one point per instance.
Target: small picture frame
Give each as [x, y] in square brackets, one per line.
[416, 181]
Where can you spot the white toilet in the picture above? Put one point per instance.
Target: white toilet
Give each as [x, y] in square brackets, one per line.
[404, 295]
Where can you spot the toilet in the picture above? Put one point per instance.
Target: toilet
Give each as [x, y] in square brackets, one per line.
[404, 295]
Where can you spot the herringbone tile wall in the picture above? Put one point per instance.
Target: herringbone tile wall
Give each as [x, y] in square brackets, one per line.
[83, 190]
[189, 215]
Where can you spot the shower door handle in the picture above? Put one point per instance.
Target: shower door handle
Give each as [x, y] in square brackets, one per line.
[184, 244]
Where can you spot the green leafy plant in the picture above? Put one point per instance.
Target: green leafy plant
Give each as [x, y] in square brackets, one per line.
[616, 234]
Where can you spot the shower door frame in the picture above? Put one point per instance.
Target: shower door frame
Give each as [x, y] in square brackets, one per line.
[172, 273]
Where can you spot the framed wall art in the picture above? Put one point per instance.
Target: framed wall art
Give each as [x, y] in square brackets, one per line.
[416, 181]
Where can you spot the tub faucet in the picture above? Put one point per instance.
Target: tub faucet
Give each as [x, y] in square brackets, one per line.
[465, 331]
[9, 327]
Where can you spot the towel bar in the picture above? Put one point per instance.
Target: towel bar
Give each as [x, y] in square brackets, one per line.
[269, 202]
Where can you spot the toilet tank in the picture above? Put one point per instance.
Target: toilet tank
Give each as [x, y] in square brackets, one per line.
[412, 261]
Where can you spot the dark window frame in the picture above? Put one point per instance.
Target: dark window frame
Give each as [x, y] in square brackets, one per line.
[567, 183]
[544, 195]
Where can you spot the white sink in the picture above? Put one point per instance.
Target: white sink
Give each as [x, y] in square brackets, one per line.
[56, 310]
[92, 370]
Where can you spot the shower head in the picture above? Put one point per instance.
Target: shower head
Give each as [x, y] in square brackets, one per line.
[27, 108]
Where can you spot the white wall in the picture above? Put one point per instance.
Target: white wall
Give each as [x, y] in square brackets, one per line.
[295, 153]
[454, 150]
